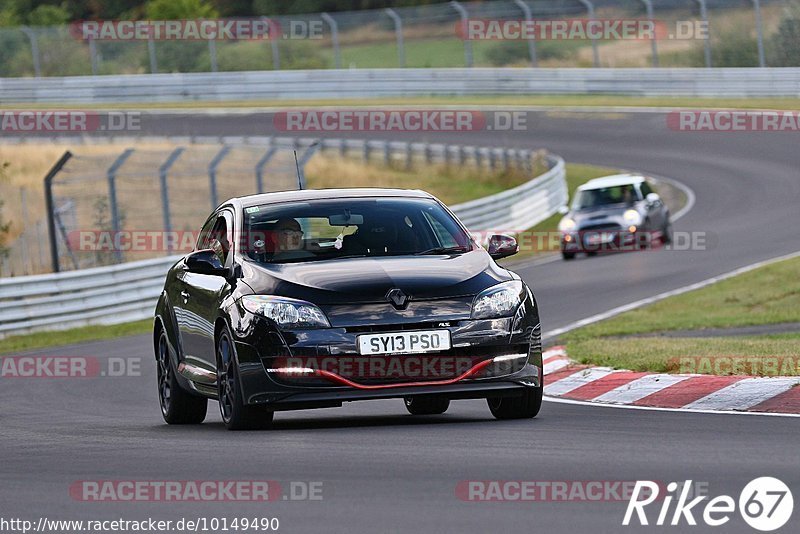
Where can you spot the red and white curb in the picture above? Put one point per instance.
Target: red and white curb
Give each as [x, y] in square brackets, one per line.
[566, 380]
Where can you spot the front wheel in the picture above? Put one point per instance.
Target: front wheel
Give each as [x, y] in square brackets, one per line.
[422, 405]
[178, 406]
[666, 235]
[568, 255]
[525, 406]
[235, 413]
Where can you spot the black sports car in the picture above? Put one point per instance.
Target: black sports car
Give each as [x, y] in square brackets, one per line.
[614, 213]
[309, 299]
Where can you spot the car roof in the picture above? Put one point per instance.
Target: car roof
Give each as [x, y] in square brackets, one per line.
[612, 181]
[323, 194]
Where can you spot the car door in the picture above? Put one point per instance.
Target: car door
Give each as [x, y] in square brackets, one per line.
[655, 210]
[201, 294]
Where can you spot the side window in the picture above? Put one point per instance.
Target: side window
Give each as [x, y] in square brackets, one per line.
[646, 189]
[220, 237]
[204, 239]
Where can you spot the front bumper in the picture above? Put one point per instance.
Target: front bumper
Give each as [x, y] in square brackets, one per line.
[606, 240]
[487, 358]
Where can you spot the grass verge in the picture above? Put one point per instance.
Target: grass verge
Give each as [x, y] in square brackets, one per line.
[769, 295]
[41, 340]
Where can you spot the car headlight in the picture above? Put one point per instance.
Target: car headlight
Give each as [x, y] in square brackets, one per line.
[285, 311]
[498, 301]
[566, 224]
[632, 217]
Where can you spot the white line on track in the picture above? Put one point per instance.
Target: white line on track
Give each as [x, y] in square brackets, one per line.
[654, 409]
[661, 296]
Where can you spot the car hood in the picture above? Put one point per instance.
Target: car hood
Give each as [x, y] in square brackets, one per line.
[362, 280]
[605, 215]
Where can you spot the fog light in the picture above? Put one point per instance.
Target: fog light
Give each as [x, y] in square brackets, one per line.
[632, 229]
[568, 238]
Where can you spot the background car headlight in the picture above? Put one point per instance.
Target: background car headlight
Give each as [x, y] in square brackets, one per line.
[285, 311]
[566, 224]
[498, 301]
[632, 217]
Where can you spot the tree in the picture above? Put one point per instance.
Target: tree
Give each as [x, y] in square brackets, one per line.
[179, 9]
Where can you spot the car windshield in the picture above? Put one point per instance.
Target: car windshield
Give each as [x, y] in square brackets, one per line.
[605, 196]
[350, 227]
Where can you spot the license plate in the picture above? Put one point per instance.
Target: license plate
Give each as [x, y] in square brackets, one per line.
[604, 237]
[404, 342]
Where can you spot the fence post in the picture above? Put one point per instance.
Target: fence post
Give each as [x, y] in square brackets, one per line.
[111, 174]
[707, 41]
[762, 62]
[526, 11]
[337, 54]
[93, 55]
[398, 30]
[162, 176]
[37, 66]
[595, 52]
[212, 174]
[387, 153]
[212, 54]
[273, 34]
[50, 204]
[462, 12]
[260, 168]
[648, 4]
[151, 51]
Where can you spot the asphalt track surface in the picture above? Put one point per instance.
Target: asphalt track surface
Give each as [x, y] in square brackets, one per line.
[385, 471]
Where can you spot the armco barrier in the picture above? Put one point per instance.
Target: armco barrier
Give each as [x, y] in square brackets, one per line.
[129, 291]
[374, 83]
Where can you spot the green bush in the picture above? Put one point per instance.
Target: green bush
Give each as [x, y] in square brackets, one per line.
[784, 45]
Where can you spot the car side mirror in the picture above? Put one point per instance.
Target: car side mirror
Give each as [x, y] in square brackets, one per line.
[563, 210]
[205, 262]
[653, 198]
[502, 246]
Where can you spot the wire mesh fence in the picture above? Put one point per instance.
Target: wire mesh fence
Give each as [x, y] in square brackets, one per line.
[430, 36]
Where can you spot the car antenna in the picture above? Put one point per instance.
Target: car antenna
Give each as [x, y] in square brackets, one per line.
[297, 169]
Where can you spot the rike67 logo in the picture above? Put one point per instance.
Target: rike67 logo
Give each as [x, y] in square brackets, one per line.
[765, 504]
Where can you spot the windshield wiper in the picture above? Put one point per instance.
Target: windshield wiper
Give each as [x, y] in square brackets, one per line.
[443, 250]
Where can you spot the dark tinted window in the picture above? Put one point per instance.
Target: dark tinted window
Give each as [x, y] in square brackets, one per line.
[331, 229]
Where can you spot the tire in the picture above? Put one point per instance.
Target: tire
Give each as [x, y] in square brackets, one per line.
[568, 255]
[526, 406]
[235, 413]
[178, 406]
[426, 405]
[666, 235]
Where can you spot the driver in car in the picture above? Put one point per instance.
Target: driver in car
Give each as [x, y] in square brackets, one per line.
[289, 241]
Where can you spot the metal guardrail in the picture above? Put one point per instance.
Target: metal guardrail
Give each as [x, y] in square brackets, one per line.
[129, 291]
[375, 83]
